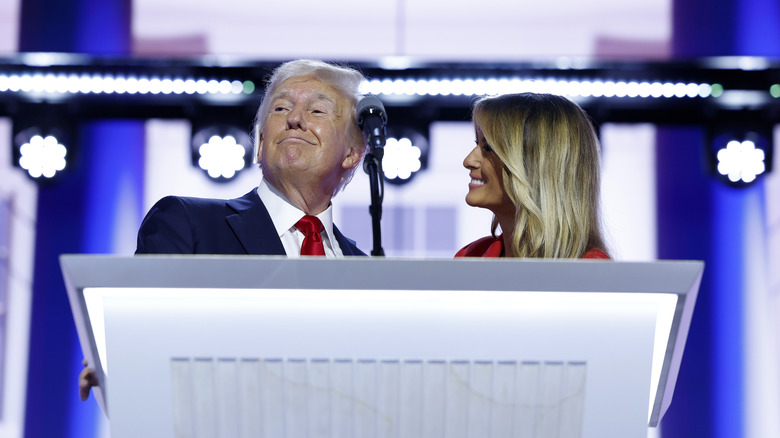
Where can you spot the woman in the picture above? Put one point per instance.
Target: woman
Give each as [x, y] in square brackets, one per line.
[536, 167]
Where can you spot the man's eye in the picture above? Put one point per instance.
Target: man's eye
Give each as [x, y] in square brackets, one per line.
[321, 109]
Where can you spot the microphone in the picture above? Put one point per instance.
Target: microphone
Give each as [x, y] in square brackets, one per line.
[371, 118]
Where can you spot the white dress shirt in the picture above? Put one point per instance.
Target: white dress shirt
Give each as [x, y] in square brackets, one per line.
[284, 216]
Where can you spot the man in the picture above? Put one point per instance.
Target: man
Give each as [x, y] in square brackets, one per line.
[309, 145]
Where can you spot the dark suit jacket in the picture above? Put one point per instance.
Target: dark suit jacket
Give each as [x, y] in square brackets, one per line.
[183, 225]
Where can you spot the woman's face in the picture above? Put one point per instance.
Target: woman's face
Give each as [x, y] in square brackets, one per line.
[486, 188]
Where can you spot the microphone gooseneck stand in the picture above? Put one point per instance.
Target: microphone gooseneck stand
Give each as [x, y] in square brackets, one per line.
[372, 164]
[371, 118]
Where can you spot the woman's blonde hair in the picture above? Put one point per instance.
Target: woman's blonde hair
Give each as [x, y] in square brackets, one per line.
[551, 172]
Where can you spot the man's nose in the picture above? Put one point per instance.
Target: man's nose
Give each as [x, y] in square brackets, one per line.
[296, 119]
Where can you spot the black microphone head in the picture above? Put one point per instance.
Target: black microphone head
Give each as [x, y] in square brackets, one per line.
[370, 105]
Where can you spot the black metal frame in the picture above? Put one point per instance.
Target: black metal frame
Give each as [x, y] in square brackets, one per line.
[413, 109]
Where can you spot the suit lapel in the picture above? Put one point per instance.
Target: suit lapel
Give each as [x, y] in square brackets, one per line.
[348, 247]
[253, 226]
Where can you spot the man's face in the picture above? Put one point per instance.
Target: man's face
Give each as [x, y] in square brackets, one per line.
[306, 139]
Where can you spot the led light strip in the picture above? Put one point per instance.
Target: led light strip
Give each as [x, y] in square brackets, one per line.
[107, 84]
[493, 86]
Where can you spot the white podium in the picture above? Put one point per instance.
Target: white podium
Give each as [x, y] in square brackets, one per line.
[235, 346]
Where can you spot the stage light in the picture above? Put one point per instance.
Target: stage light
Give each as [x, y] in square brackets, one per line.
[742, 155]
[166, 86]
[85, 83]
[432, 89]
[741, 161]
[178, 86]
[190, 86]
[39, 154]
[221, 151]
[445, 87]
[621, 89]
[201, 86]
[144, 86]
[405, 154]
[459, 87]
[155, 86]
[221, 156]
[401, 158]
[476, 86]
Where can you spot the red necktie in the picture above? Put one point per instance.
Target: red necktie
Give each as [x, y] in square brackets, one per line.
[311, 227]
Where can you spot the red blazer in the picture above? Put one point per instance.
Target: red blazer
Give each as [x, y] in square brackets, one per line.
[494, 247]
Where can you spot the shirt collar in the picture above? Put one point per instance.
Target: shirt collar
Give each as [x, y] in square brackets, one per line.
[285, 214]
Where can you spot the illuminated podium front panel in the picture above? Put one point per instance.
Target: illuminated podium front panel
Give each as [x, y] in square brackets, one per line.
[209, 346]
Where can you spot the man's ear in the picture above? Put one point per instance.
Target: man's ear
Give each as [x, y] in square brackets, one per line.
[352, 159]
[259, 156]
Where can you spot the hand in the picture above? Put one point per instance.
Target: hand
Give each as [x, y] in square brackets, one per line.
[87, 379]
